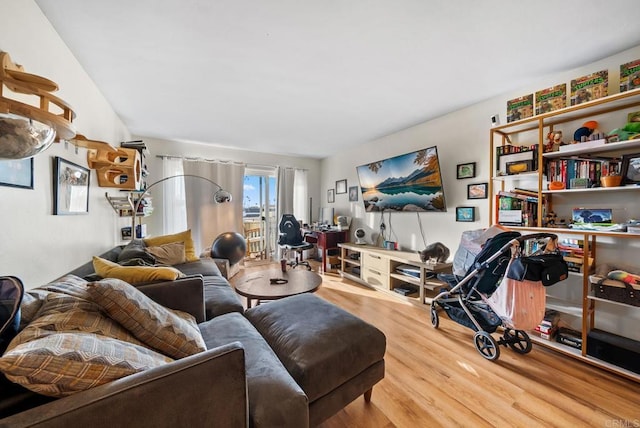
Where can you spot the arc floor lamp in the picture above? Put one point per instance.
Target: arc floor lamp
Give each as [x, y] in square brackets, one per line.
[220, 196]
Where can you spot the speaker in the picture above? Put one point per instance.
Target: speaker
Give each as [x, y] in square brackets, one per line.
[614, 349]
[360, 235]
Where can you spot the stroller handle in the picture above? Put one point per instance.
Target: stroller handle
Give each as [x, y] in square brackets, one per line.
[552, 244]
[541, 235]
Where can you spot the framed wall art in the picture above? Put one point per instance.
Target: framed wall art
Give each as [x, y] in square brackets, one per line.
[17, 173]
[353, 193]
[70, 188]
[331, 196]
[466, 170]
[631, 169]
[477, 191]
[341, 187]
[465, 214]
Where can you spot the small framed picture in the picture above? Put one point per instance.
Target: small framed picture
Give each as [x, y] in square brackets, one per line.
[125, 233]
[466, 170]
[465, 214]
[353, 193]
[17, 173]
[331, 196]
[477, 191]
[341, 187]
[70, 188]
[631, 169]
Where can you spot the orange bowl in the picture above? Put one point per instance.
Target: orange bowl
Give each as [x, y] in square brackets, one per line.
[611, 181]
[556, 185]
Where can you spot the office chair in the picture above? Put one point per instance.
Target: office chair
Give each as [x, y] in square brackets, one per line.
[291, 239]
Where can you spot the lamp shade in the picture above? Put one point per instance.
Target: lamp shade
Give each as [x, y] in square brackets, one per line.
[222, 196]
[26, 129]
[21, 137]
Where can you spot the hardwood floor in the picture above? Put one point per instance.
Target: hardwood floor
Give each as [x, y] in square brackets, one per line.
[436, 378]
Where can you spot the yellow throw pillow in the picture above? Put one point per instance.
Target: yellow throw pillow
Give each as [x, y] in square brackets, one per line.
[185, 237]
[168, 254]
[134, 274]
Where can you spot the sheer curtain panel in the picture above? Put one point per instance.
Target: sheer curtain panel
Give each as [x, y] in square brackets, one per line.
[301, 196]
[205, 218]
[174, 209]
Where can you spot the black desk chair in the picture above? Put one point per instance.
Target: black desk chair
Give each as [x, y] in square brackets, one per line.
[291, 239]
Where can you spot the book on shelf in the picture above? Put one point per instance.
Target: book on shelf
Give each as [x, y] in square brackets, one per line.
[520, 108]
[136, 144]
[592, 169]
[516, 208]
[589, 87]
[630, 75]
[551, 99]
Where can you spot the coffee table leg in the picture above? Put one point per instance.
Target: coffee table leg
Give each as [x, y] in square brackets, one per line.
[248, 303]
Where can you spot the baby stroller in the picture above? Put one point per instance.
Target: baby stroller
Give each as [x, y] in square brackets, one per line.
[468, 301]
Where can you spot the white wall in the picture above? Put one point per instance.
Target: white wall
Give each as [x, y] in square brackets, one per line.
[35, 245]
[461, 136]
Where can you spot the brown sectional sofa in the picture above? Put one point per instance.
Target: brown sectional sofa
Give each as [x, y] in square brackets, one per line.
[289, 363]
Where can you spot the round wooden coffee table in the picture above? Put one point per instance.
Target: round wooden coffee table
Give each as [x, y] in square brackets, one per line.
[274, 284]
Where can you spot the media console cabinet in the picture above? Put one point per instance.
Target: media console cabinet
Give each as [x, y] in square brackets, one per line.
[381, 269]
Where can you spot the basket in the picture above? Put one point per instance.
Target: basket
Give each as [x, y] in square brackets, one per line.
[611, 181]
[615, 290]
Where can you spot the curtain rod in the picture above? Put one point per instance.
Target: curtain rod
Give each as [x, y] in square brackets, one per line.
[228, 162]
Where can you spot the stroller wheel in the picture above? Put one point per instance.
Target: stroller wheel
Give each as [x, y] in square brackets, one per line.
[435, 319]
[486, 345]
[518, 340]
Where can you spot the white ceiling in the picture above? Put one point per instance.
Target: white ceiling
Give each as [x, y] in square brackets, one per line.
[308, 77]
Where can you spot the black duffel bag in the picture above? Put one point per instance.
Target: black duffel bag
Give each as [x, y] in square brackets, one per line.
[548, 268]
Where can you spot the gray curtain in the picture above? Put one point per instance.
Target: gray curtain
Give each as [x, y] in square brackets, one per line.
[205, 218]
[286, 178]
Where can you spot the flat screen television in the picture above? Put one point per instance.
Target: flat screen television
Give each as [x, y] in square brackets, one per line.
[408, 183]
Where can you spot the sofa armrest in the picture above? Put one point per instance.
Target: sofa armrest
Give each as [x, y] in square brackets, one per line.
[223, 265]
[184, 294]
[206, 389]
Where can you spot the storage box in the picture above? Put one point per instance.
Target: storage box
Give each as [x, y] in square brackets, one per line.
[614, 349]
[569, 337]
[617, 291]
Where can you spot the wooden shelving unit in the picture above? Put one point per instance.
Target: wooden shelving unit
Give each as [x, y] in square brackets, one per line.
[611, 112]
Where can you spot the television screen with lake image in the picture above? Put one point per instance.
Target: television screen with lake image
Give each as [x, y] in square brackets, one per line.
[411, 182]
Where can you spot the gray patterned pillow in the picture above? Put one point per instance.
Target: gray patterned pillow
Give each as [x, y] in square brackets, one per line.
[173, 333]
[61, 364]
[70, 345]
